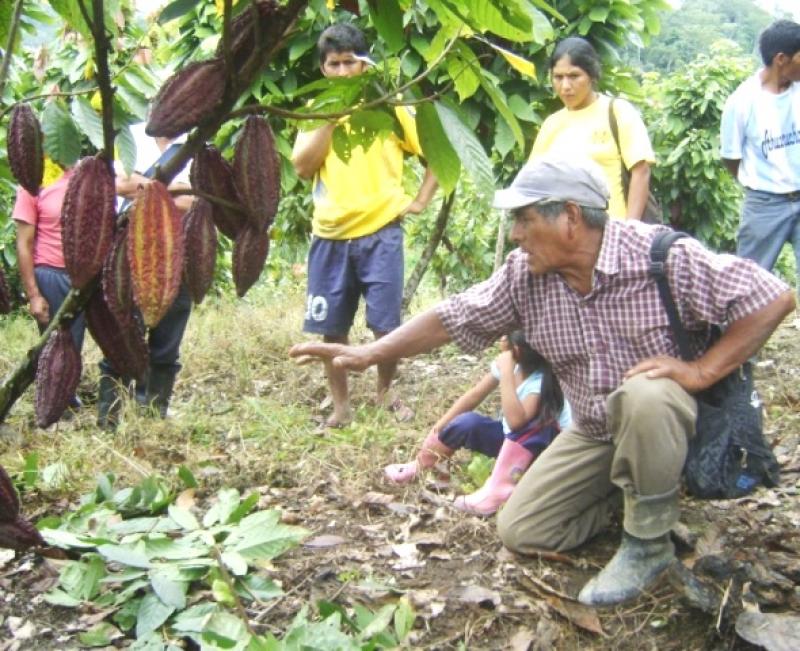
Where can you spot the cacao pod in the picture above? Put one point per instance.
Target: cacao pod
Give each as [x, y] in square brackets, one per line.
[212, 174]
[9, 500]
[5, 294]
[200, 244]
[249, 255]
[257, 172]
[117, 288]
[24, 146]
[122, 343]
[57, 375]
[187, 98]
[88, 217]
[155, 251]
[243, 34]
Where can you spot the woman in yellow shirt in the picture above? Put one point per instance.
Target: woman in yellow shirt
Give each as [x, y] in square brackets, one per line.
[583, 127]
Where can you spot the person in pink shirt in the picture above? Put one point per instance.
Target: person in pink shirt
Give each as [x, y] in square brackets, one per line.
[40, 256]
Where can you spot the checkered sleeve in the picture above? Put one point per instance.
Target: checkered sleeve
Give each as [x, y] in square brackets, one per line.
[479, 316]
[720, 288]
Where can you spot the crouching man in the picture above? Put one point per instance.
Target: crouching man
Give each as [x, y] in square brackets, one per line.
[579, 287]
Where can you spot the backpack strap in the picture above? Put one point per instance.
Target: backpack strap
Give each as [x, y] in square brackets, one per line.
[659, 250]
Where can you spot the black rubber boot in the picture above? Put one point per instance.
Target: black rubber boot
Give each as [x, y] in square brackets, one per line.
[634, 567]
[109, 400]
[160, 381]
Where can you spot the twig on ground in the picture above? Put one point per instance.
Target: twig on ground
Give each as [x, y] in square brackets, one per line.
[121, 456]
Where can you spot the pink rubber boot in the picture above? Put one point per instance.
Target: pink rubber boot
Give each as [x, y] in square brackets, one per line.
[433, 451]
[512, 461]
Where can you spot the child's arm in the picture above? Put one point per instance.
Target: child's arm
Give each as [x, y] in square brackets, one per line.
[516, 412]
[469, 401]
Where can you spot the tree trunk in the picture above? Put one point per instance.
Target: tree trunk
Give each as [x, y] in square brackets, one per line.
[427, 254]
[500, 245]
[12, 36]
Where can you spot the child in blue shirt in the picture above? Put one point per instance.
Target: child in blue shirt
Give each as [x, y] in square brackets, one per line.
[534, 412]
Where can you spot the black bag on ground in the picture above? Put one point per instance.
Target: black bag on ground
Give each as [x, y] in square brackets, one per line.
[728, 456]
[652, 209]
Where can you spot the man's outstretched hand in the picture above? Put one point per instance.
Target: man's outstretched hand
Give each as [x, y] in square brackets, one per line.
[353, 358]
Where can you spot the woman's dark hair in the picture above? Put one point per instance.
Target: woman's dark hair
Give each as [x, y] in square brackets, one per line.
[551, 398]
[580, 53]
[341, 37]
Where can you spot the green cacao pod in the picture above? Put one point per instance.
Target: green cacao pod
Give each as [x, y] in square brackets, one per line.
[257, 171]
[5, 294]
[200, 243]
[24, 145]
[187, 98]
[155, 251]
[57, 375]
[249, 255]
[9, 501]
[123, 343]
[212, 174]
[117, 287]
[243, 35]
[88, 218]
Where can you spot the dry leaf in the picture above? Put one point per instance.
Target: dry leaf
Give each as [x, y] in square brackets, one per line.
[773, 631]
[475, 594]
[522, 640]
[582, 616]
[186, 499]
[326, 540]
[409, 557]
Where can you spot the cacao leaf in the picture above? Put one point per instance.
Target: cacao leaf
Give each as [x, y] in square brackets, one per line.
[88, 217]
[62, 139]
[57, 375]
[155, 251]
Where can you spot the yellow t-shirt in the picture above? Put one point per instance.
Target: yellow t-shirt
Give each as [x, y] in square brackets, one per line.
[362, 195]
[588, 132]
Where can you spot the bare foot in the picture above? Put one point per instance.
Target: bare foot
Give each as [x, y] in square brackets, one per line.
[336, 421]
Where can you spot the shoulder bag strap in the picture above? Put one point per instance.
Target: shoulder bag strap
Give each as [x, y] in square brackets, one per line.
[659, 250]
[625, 175]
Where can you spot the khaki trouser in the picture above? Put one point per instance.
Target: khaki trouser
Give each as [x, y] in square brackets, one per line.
[569, 493]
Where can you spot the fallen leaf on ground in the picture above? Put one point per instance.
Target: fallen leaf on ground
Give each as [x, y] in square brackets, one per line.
[408, 555]
[773, 631]
[186, 499]
[582, 616]
[326, 540]
[522, 640]
[475, 594]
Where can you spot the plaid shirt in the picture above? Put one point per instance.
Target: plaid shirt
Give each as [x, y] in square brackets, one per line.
[592, 340]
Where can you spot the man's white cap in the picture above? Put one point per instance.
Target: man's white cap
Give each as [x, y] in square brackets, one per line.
[556, 178]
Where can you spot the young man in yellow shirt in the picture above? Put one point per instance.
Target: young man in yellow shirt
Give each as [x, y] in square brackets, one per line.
[358, 240]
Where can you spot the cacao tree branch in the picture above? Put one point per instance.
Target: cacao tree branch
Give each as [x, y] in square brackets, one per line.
[226, 39]
[389, 97]
[12, 37]
[430, 248]
[211, 198]
[101, 49]
[500, 244]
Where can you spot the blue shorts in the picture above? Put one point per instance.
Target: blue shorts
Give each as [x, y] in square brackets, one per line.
[341, 271]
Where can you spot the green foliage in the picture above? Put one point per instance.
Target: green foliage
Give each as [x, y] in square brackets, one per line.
[683, 117]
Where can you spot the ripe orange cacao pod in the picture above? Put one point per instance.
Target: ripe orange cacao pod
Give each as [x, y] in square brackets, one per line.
[155, 251]
[57, 375]
[257, 171]
[24, 146]
[88, 217]
[187, 98]
[212, 174]
[123, 342]
[249, 255]
[5, 294]
[116, 279]
[200, 245]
